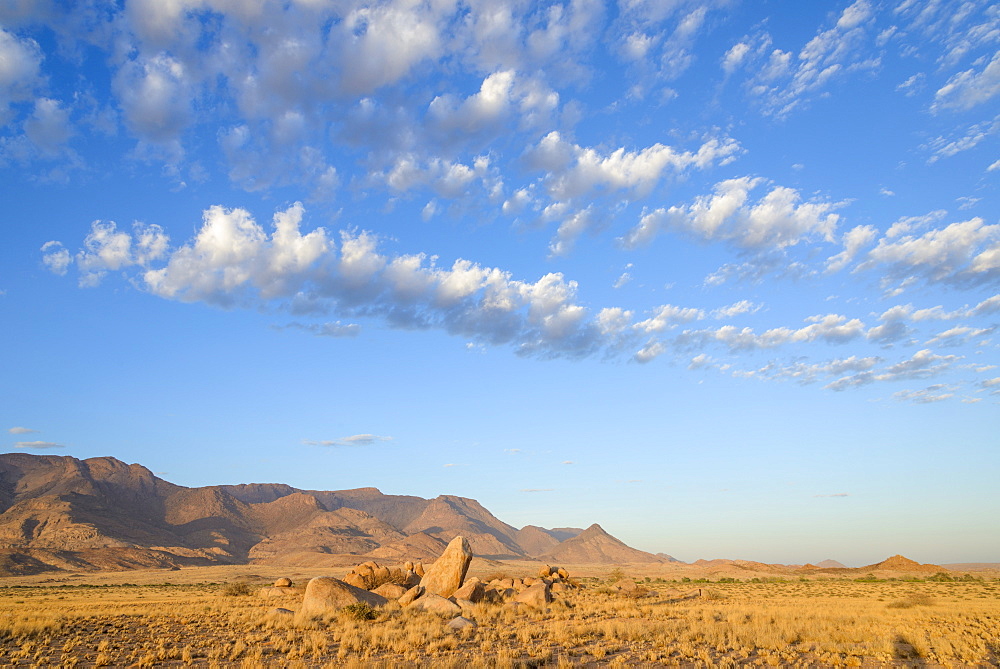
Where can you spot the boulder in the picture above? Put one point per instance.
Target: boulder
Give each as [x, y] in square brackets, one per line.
[447, 573]
[419, 569]
[472, 590]
[461, 623]
[382, 575]
[563, 574]
[390, 590]
[410, 578]
[537, 595]
[325, 593]
[410, 595]
[357, 580]
[408, 566]
[432, 603]
[283, 583]
[276, 591]
[545, 571]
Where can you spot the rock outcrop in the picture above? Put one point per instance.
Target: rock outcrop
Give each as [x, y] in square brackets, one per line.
[447, 573]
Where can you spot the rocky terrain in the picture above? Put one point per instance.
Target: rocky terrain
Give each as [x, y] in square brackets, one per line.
[59, 512]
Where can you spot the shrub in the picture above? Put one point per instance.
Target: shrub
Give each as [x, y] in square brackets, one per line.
[360, 611]
[236, 589]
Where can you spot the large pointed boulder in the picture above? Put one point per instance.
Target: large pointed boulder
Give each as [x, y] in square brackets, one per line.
[447, 573]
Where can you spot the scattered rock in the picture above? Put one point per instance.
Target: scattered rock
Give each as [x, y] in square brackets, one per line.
[563, 574]
[447, 573]
[433, 603]
[461, 623]
[419, 569]
[410, 595]
[545, 571]
[278, 612]
[408, 566]
[390, 590]
[283, 583]
[325, 593]
[537, 595]
[472, 589]
[357, 580]
[276, 591]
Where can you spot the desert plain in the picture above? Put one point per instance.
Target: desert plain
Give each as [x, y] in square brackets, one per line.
[675, 615]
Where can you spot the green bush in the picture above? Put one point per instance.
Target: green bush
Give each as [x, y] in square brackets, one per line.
[360, 611]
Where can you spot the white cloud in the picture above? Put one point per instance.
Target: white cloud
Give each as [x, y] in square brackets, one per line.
[232, 260]
[21, 430]
[622, 280]
[353, 440]
[964, 253]
[784, 81]
[669, 316]
[853, 240]
[20, 67]
[576, 171]
[737, 308]
[37, 445]
[777, 220]
[56, 258]
[970, 87]
[49, 127]
[935, 393]
[830, 328]
[156, 94]
[923, 364]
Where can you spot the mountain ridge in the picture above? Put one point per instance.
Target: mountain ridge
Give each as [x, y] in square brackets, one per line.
[60, 512]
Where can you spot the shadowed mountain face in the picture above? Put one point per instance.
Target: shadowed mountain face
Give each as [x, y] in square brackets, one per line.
[58, 512]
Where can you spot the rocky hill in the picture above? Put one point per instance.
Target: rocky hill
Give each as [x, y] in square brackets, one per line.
[595, 545]
[58, 512]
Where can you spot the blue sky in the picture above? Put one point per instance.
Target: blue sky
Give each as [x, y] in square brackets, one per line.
[721, 276]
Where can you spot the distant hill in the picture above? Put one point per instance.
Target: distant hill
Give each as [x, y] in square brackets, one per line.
[669, 558]
[831, 564]
[972, 566]
[594, 545]
[58, 512]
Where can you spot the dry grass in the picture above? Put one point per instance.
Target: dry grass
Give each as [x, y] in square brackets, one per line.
[815, 623]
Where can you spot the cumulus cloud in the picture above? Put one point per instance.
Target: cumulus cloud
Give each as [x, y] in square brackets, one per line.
[777, 220]
[575, 171]
[21, 430]
[831, 328]
[232, 260]
[923, 364]
[37, 445]
[964, 253]
[969, 88]
[353, 440]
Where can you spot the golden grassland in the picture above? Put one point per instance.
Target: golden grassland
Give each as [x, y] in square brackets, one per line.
[130, 619]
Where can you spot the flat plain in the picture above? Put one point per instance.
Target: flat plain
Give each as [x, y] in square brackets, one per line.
[213, 617]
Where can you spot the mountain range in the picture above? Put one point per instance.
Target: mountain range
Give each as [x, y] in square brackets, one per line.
[59, 512]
